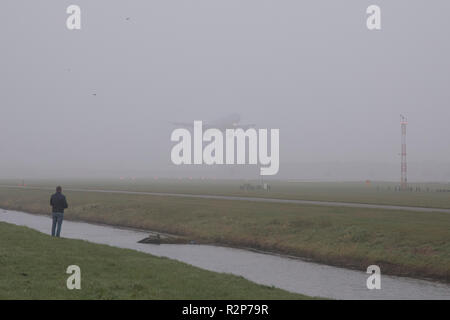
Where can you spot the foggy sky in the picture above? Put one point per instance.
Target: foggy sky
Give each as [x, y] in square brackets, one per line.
[310, 68]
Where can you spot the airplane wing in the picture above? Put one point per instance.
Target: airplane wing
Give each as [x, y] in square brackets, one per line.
[246, 126]
[183, 124]
[189, 125]
[221, 127]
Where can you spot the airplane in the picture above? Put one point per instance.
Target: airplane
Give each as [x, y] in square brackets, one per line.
[231, 121]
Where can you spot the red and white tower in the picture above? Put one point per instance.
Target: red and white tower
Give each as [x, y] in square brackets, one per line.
[403, 179]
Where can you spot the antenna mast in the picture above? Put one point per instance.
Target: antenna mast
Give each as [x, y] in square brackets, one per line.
[403, 179]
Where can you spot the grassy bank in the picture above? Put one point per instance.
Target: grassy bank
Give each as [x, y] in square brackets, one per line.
[33, 265]
[400, 242]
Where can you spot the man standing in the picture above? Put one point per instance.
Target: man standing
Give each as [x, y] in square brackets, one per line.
[58, 203]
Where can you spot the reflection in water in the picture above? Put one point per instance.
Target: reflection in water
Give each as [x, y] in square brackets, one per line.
[290, 274]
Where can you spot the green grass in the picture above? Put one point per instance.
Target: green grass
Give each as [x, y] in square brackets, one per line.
[33, 266]
[400, 242]
[358, 192]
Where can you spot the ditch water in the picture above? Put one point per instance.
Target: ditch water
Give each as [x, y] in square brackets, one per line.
[294, 275]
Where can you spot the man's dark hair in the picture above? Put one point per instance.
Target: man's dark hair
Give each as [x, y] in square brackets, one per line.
[58, 189]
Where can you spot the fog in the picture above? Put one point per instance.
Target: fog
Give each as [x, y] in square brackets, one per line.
[99, 102]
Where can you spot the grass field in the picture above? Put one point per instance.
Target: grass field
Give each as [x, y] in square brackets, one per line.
[430, 195]
[33, 266]
[400, 242]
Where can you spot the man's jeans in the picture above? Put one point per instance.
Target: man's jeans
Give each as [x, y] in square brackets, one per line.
[57, 222]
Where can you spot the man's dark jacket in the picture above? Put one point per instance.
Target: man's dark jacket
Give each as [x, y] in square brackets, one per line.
[58, 202]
